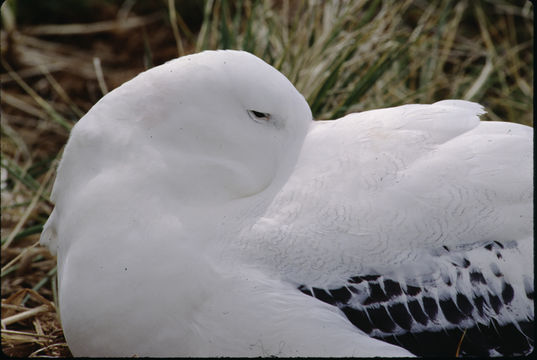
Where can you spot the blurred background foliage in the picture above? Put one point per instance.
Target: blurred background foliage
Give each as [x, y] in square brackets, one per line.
[59, 57]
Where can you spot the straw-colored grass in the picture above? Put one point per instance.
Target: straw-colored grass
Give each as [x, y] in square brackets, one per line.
[344, 56]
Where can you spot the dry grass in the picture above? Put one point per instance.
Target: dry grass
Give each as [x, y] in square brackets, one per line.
[343, 56]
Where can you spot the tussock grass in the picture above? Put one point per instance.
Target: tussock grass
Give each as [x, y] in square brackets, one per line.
[344, 56]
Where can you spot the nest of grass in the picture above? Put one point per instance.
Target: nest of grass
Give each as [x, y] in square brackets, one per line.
[344, 56]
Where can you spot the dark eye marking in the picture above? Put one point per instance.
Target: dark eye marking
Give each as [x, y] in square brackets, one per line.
[258, 116]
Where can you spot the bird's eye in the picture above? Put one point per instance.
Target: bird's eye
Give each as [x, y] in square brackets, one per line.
[258, 116]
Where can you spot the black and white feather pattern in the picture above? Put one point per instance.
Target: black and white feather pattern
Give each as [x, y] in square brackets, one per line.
[481, 302]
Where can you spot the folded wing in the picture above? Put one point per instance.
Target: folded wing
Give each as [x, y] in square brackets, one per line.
[413, 196]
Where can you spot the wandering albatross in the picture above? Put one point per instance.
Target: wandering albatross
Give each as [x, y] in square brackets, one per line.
[200, 211]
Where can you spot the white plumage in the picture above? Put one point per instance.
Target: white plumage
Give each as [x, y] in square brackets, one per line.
[198, 202]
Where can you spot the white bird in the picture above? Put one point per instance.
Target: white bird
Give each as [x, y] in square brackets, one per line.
[198, 207]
